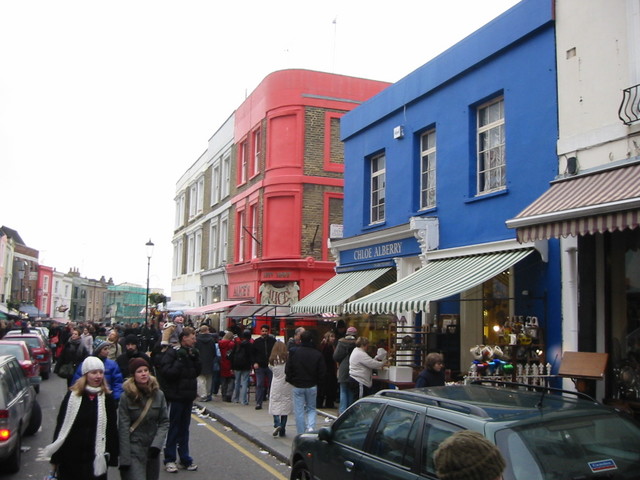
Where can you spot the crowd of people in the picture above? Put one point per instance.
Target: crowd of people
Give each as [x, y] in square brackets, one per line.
[131, 389]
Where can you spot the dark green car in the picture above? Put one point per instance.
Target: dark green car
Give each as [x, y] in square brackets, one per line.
[543, 434]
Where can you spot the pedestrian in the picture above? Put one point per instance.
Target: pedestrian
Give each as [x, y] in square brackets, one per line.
[143, 423]
[180, 367]
[261, 352]
[343, 350]
[328, 388]
[280, 396]
[361, 367]
[115, 349]
[207, 348]
[112, 374]
[294, 341]
[72, 355]
[241, 365]
[85, 440]
[216, 375]
[304, 370]
[433, 373]
[87, 339]
[468, 455]
[227, 377]
[130, 351]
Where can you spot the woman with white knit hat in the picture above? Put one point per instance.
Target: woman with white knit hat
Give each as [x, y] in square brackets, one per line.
[86, 433]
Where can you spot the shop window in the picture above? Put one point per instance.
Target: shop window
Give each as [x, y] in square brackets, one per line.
[495, 307]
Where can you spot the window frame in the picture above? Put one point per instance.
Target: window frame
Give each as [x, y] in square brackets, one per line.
[428, 155]
[377, 210]
[484, 173]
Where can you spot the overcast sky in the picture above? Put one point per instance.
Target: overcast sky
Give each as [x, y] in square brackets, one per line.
[104, 105]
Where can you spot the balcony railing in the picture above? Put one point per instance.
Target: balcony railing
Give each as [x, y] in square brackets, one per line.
[629, 111]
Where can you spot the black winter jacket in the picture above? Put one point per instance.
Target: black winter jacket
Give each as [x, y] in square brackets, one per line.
[305, 367]
[262, 350]
[180, 368]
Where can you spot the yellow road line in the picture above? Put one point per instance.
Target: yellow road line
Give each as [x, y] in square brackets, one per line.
[242, 450]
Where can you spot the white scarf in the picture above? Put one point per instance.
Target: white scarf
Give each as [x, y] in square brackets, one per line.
[73, 406]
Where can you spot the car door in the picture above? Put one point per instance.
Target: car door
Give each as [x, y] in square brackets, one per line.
[392, 449]
[339, 459]
[434, 432]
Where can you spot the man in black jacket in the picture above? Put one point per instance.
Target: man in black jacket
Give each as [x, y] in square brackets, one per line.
[262, 347]
[131, 351]
[304, 369]
[180, 367]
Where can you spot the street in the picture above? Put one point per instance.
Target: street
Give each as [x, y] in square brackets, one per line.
[213, 447]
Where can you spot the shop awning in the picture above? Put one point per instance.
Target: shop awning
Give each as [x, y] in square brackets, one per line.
[31, 310]
[213, 307]
[436, 280]
[244, 311]
[598, 202]
[330, 296]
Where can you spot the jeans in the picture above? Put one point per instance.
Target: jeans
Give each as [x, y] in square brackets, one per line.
[262, 373]
[304, 407]
[216, 381]
[280, 421]
[178, 436]
[346, 397]
[226, 388]
[241, 387]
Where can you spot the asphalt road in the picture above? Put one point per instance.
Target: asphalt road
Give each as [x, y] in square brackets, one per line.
[218, 450]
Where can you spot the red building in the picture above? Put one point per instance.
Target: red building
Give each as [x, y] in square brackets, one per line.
[288, 183]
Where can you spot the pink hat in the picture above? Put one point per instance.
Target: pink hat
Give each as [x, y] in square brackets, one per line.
[352, 331]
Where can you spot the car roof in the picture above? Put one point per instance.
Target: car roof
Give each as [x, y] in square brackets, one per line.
[495, 403]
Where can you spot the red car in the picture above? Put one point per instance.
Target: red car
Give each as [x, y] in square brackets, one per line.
[40, 349]
[24, 355]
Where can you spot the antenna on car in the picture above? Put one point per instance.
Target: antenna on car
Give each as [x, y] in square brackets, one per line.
[544, 391]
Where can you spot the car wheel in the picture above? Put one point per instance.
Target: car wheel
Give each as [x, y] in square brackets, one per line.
[35, 421]
[300, 471]
[12, 464]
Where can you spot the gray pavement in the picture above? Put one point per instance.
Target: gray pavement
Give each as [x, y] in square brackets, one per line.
[257, 425]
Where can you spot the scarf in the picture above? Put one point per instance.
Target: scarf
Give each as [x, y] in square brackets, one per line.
[73, 406]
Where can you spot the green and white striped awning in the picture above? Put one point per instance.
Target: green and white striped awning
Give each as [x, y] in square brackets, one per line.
[436, 280]
[331, 295]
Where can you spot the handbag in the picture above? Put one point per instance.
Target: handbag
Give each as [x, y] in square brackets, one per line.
[66, 370]
[147, 406]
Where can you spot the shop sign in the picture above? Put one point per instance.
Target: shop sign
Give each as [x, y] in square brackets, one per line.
[279, 294]
[399, 248]
[243, 290]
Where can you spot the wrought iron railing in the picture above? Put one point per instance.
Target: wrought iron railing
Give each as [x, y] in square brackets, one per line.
[629, 111]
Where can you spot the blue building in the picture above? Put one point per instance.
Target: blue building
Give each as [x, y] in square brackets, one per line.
[434, 166]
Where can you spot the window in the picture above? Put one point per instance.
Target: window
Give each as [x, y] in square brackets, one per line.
[224, 232]
[180, 210]
[243, 162]
[491, 152]
[191, 243]
[215, 184]
[56, 286]
[435, 432]
[224, 187]
[200, 195]
[377, 188]
[355, 423]
[177, 258]
[395, 436]
[213, 246]
[197, 252]
[256, 152]
[193, 200]
[45, 283]
[241, 237]
[253, 212]
[428, 170]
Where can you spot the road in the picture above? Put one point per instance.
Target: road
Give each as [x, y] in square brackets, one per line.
[214, 447]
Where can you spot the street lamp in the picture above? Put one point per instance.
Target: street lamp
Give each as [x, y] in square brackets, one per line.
[149, 246]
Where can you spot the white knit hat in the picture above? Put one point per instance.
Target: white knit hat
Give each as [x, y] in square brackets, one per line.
[92, 363]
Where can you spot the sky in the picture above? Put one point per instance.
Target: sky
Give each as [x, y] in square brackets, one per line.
[104, 105]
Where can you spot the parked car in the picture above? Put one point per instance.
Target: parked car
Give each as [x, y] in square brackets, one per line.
[543, 434]
[20, 412]
[26, 358]
[39, 347]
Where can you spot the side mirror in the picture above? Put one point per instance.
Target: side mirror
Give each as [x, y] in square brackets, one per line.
[325, 434]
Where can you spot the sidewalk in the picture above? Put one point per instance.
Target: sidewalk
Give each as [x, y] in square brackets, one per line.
[257, 425]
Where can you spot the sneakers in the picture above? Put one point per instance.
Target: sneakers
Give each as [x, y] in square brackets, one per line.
[258, 407]
[171, 467]
[277, 431]
[191, 468]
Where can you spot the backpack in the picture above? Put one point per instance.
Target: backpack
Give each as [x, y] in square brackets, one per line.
[239, 357]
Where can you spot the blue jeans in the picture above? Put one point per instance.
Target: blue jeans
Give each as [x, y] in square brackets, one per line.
[346, 397]
[178, 436]
[304, 407]
[262, 373]
[241, 387]
[280, 421]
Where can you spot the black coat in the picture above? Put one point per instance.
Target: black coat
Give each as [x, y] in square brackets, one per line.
[124, 359]
[78, 449]
[262, 347]
[305, 367]
[206, 345]
[180, 368]
[430, 378]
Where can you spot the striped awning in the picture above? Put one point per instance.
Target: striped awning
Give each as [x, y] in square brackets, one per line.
[213, 307]
[598, 202]
[330, 296]
[436, 280]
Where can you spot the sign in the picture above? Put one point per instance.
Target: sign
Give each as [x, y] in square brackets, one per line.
[371, 253]
[285, 295]
[243, 290]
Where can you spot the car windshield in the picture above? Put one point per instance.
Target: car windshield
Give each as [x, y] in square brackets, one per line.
[33, 342]
[581, 447]
[14, 350]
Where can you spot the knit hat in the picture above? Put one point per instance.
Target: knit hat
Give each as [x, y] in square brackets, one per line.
[137, 362]
[99, 345]
[352, 331]
[131, 339]
[90, 364]
[468, 455]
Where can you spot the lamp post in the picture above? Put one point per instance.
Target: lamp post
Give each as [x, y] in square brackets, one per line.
[149, 246]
